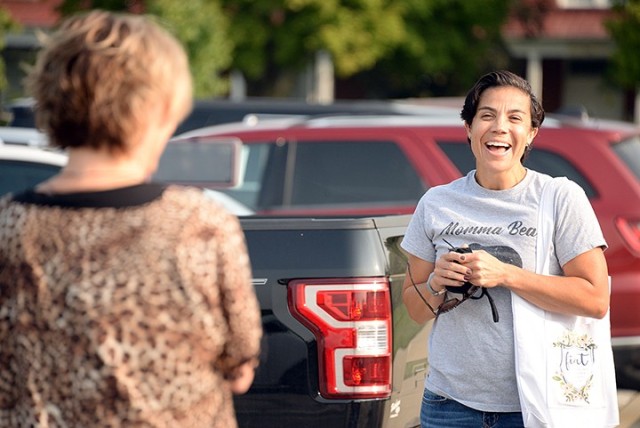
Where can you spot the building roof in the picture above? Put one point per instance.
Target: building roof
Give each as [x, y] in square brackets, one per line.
[562, 24]
[33, 13]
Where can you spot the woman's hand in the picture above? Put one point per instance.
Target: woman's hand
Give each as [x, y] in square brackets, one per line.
[482, 269]
[242, 378]
[452, 270]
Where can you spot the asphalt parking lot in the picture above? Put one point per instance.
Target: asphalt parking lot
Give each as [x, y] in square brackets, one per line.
[629, 404]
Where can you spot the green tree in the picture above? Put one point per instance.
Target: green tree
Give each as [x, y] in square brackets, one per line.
[448, 44]
[624, 29]
[7, 24]
[272, 36]
[203, 29]
[199, 24]
[409, 47]
[68, 7]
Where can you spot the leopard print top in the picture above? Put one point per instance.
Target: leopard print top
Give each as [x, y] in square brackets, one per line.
[123, 317]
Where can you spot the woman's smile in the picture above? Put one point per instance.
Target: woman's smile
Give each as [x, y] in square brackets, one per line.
[500, 132]
[498, 148]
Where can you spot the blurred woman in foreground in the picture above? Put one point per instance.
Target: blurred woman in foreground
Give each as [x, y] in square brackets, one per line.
[123, 302]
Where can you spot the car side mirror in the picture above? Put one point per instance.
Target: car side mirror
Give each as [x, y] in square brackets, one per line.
[212, 163]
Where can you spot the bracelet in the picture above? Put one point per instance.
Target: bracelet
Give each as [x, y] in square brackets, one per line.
[431, 290]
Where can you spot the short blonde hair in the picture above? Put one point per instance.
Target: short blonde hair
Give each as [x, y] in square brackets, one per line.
[98, 73]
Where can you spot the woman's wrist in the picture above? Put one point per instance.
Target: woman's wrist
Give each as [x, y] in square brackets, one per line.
[432, 290]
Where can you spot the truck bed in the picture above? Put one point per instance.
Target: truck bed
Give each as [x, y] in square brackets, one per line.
[287, 390]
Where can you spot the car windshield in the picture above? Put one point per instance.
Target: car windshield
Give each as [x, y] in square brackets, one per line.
[629, 152]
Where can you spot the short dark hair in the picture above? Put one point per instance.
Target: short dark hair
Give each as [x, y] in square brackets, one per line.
[495, 79]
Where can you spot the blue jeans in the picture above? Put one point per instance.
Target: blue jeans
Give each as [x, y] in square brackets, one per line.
[441, 412]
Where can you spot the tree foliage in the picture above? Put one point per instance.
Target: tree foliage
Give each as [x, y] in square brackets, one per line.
[414, 47]
[202, 28]
[199, 24]
[624, 29]
[285, 34]
[7, 24]
[68, 7]
[288, 32]
[448, 44]
[410, 47]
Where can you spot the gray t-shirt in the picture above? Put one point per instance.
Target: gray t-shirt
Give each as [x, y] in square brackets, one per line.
[471, 358]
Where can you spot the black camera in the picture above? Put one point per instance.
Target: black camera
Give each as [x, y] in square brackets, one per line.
[467, 285]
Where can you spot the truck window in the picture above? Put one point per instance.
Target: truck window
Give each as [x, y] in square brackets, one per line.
[254, 159]
[352, 172]
[629, 153]
[460, 154]
[556, 166]
[539, 160]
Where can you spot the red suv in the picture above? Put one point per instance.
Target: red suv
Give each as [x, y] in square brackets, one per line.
[354, 165]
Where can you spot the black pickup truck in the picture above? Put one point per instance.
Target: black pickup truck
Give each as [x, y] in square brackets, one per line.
[339, 349]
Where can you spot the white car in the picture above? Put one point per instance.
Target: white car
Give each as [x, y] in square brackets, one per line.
[23, 166]
[23, 136]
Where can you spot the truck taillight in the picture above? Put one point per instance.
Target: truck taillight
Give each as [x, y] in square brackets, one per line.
[351, 320]
[630, 232]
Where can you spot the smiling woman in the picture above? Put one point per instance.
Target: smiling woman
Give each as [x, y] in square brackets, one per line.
[472, 373]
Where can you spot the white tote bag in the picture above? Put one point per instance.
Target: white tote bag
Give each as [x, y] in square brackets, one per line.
[564, 364]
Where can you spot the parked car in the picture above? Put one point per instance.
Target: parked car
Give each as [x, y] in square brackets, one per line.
[23, 136]
[346, 166]
[216, 111]
[362, 166]
[339, 347]
[23, 166]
